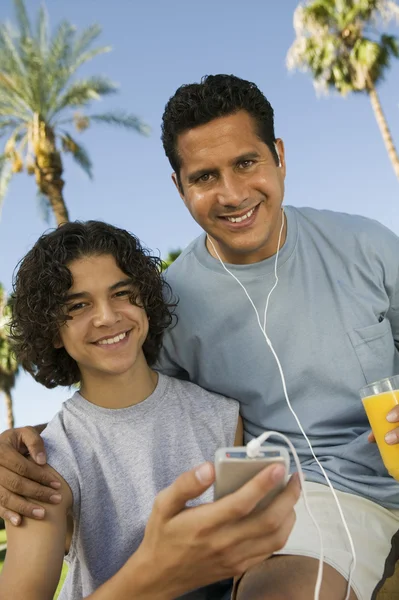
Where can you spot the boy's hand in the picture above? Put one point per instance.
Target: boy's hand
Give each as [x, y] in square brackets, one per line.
[393, 436]
[193, 547]
[20, 477]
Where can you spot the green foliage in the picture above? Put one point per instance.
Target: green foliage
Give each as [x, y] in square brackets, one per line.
[8, 363]
[340, 43]
[39, 85]
[172, 255]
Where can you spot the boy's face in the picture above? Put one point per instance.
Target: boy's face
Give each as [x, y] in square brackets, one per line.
[106, 333]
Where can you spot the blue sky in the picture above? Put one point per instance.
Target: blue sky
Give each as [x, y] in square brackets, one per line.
[335, 154]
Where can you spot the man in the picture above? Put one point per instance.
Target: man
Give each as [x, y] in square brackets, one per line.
[333, 321]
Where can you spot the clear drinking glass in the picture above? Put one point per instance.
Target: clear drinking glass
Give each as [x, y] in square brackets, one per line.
[378, 399]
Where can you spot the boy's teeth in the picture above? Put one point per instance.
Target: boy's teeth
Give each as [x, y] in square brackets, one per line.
[113, 340]
[239, 219]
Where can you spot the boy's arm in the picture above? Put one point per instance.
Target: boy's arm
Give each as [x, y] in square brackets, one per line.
[35, 552]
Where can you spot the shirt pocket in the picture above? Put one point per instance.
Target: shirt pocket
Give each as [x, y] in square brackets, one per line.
[375, 350]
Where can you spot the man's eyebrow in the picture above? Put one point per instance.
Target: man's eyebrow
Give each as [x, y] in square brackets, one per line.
[112, 288]
[246, 156]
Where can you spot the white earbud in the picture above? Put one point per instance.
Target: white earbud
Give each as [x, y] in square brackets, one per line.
[276, 149]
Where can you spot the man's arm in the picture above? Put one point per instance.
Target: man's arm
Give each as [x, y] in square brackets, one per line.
[21, 478]
[35, 552]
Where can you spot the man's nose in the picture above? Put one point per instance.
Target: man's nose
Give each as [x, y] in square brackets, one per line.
[232, 190]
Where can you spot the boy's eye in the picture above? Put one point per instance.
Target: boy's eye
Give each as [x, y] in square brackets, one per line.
[75, 307]
[123, 293]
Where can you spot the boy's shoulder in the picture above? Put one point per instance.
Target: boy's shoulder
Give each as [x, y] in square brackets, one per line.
[192, 390]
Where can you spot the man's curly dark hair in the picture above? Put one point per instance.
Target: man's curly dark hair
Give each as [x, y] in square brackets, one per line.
[43, 279]
[215, 96]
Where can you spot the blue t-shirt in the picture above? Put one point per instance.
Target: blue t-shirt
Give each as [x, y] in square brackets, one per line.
[334, 322]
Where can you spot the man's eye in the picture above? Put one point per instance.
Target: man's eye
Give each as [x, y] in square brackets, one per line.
[204, 178]
[245, 164]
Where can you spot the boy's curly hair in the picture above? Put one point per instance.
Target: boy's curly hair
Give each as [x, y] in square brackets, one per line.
[43, 279]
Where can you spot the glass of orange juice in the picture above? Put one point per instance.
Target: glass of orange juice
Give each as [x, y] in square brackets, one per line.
[378, 399]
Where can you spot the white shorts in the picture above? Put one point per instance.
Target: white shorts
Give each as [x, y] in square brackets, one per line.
[374, 530]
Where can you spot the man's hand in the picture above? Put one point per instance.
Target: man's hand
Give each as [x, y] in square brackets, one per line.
[193, 547]
[393, 436]
[20, 477]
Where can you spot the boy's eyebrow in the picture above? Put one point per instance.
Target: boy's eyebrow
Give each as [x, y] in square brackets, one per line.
[197, 174]
[121, 283]
[112, 288]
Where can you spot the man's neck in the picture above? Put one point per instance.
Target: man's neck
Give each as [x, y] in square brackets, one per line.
[277, 241]
[119, 391]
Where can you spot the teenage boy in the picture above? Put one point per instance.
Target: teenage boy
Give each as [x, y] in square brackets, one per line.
[89, 309]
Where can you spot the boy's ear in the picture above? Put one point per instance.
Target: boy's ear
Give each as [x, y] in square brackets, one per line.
[58, 342]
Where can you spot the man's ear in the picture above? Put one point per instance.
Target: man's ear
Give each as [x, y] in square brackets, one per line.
[281, 153]
[178, 187]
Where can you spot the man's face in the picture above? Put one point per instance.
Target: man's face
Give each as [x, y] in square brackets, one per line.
[232, 187]
[106, 333]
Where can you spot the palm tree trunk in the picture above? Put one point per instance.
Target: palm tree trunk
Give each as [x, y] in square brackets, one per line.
[383, 125]
[48, 169]
[10, 414]
[52, 188]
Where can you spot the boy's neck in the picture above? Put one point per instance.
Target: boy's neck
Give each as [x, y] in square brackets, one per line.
[119, 391]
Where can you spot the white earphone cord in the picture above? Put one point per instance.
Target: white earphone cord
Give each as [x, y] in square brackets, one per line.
[253, 445]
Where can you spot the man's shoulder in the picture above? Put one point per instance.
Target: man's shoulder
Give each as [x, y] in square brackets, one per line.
[183, 264]
[350, 226]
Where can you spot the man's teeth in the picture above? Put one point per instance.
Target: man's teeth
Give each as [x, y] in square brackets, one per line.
[113, 340]
[239, 219]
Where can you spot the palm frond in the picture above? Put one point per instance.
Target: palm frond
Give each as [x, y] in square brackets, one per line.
[81, 52]
[89, 55]
[60, 46]
[10, 56]
[79, 153]
[22, 19]
[42, 30]
[121, 119]
[84, 40]
[7, 123]
[82, 92]
[5, 178]
[335, 43]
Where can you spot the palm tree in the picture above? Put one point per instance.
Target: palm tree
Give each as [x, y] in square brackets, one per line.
[172, 255]
[8, 363]
[38, 94]
[339, 42]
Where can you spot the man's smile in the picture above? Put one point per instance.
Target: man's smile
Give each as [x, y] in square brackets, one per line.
[243, 219]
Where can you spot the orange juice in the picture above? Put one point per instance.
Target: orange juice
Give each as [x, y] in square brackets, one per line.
[377, 407]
